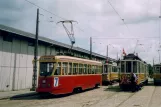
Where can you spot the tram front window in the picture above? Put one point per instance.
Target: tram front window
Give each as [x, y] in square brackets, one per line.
[157, 70]
[46, 68]
[122, 66]
[135, 67]
[128, 67]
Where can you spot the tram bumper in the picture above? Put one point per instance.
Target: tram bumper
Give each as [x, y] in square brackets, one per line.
[156, 80]
[44, 90]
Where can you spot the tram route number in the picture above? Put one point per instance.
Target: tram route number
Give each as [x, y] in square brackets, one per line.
[56, 81]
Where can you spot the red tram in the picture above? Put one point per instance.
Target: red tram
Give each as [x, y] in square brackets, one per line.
[65, 74]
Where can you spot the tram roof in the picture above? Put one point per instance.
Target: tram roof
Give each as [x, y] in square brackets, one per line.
[157, 65]
[75, 58]
[61, 57]
[132, 57]
[134, 60]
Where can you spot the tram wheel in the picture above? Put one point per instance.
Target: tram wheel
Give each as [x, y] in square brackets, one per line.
[96, 86]
[155, 83]
[77, 90]
[146, 82]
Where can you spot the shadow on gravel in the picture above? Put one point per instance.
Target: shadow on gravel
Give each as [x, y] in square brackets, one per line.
[117, 89]
[152, 84]
[47, 96]
[113, 88]
[39, 97]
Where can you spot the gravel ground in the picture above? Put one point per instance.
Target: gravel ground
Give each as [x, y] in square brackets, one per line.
[105, 96]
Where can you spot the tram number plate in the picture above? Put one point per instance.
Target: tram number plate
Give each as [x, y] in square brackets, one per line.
[56, 81]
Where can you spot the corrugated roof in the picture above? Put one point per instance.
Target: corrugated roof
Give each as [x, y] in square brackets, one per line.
[30, 35]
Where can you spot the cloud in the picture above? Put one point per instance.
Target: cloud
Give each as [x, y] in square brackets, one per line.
[96, 19]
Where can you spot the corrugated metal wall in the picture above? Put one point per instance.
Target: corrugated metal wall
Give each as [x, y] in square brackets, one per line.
[16, 64]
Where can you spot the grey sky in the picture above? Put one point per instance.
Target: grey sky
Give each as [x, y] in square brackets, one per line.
[96, 18]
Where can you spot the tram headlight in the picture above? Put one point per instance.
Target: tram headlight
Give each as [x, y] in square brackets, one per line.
[43, 81]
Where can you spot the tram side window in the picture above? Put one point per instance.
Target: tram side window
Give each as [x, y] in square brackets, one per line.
[93, 69]
[109, 68]
[128, 67]
[100, 70]
[89, 69]
[138, 67]
[97, 71]
[85, 69]
[135, 67]
[141, 67]
[105, 68]
[75, 66]
[114, 69]
[118, 69]
[122, 66]
[58, 69]
[80, 68]
[146, 69]
[64, 68]
[70, 69]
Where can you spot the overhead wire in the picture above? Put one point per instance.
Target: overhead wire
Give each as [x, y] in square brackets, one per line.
[45, 10]
[119, 15]
[158, 21]
[49, 12]
[125, 38]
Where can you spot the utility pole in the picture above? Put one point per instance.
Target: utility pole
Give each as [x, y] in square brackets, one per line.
[107, 52]
[34, 80]
[117, 55]
[159, 55]
[91, 48]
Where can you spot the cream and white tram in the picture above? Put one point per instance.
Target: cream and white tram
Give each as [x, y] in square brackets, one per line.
[129, 64]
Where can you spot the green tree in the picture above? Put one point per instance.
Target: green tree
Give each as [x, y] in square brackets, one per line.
[150, 67]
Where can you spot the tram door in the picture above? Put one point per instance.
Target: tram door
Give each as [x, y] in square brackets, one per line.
[105, 72]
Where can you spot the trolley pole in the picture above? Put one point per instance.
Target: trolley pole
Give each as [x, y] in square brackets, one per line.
[34, 80]
[91, 48]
